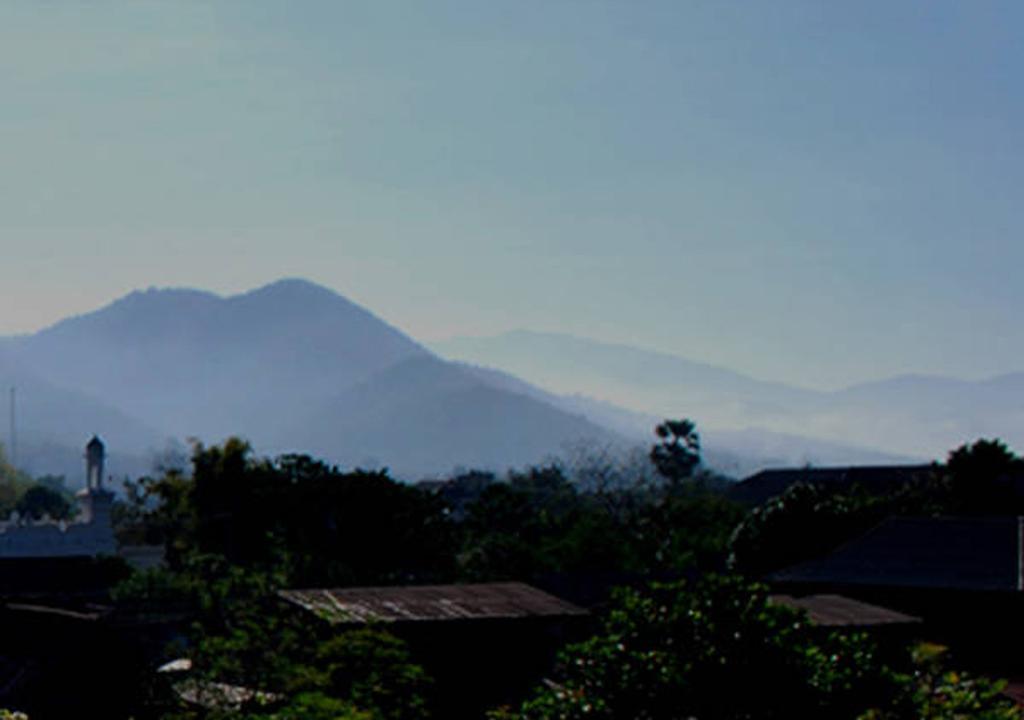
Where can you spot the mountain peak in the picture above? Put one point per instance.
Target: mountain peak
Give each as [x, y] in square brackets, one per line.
[293, 286]
[155, 295]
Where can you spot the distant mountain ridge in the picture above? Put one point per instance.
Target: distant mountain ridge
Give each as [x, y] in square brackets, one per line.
[641, 380]
[737, 452]
[423, 399]
[151, 353]
[913, 417]
[292, 366]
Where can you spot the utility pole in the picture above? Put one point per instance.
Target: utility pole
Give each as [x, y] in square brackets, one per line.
[14, 433]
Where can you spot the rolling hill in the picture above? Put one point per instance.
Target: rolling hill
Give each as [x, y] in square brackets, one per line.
[295, 367]
[912, 417]
[291, 366]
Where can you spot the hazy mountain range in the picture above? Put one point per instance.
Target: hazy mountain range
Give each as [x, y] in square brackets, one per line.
[296, 367]
[291, 366]
[912, 416]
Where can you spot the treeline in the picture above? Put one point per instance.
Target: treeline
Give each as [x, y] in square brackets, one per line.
[32, 498]
[321, 527]
[808, 521]
[689, 633]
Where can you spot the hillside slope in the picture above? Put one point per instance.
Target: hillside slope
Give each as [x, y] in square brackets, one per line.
[291, 366]
[910, 416]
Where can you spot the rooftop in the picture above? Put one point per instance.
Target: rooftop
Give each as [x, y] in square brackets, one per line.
[766, 484]
[956, 553]
[427, 603]
[836, 611]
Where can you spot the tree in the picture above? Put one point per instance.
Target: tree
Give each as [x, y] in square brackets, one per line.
[244, 636]
[677, 454]
[39, 501]
[719, 649]
[809, 520]
[518, 529]
[804, 521]
[984, 477]
[13, 484]
[160, 511]
[336, 528]
[374, 671]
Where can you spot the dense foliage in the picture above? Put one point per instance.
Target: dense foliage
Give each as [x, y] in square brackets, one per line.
[13, 485]
[539, 523]
[237, 528]
[322, 526]
[328, 527]
[40, 501]
[718, 649]
[807, 521]
[243, 636]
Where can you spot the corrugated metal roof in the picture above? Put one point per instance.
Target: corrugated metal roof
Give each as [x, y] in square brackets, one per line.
[957, 553]
[839, 611]
[92, 615]
[424, 603]
[221, 696]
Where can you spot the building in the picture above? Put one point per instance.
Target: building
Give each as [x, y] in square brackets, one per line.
[962, 575]
[835, 612]
[766, 484]
[472, 603]
[89, 535]
[483, 644]
[983, 554]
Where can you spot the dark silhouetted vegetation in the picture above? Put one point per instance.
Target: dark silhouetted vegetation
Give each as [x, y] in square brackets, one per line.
[31, 498]
[808, 521]
[720, 649]
[329, 527]
[685, 641]
[40, 501]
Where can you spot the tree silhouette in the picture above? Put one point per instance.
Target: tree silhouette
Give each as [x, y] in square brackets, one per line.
[677, 455]
[39, 501]
[985, 477]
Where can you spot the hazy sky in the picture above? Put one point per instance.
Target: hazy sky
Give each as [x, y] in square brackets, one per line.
[821, 192]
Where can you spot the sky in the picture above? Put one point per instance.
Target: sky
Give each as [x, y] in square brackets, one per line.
[819, 193]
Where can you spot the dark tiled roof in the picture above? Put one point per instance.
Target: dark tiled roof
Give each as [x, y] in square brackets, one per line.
[430, 603]
[957, 553]
[839, 611]
[766, 484]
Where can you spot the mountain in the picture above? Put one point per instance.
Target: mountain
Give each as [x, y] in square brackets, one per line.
[641, 380]
[735, 452]
[297, 367]
[740, 453]
[909, 417]
[924, 412]
[194, 363]
[49, 416]
[427, 415]
[291, 366]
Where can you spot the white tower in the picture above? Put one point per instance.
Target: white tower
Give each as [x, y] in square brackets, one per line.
[95, 454]
[94, 501]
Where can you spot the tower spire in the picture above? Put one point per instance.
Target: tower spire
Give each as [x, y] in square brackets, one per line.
[95, 454]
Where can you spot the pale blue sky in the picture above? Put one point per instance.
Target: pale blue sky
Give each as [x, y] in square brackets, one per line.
[815, 192]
